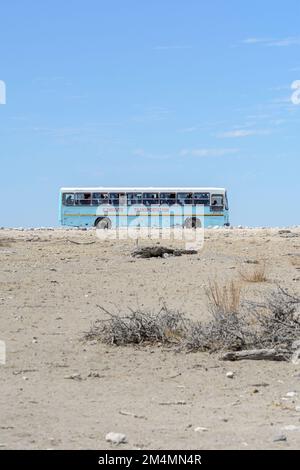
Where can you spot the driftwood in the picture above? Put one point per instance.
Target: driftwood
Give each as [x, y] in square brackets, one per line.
[258, 355]
[160, 252]
[81, 243]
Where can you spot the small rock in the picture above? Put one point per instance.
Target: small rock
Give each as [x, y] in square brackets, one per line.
[291, 394]
[280, 438]
[116, 438]
[291, 427]
[200, 429]
[95, 374]
[230, 375]
[73, 377]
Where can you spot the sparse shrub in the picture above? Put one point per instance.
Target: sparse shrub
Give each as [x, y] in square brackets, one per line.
[228, 328]
[278, 318]
[258, 274]
[139, 326]
[272, 323]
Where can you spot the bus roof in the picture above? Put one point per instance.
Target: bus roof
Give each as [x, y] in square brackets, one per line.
[143, 189]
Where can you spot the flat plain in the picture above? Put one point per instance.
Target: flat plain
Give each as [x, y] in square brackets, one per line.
[61, 392]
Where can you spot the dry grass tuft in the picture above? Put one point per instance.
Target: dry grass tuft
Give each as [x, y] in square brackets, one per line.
[258, 274]
[226, 297]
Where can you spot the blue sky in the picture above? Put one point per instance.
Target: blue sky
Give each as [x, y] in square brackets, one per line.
[160, 93]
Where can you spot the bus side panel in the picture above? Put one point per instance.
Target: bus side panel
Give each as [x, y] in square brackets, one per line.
[85, 216]
[78, 216]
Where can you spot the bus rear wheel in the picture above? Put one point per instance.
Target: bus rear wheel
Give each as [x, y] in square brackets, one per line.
[192, 222]
[103, 223]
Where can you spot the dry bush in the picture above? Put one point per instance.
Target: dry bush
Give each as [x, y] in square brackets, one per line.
[139, 326]
[278, 318]
[274, 322]
[258, 274]
[228, 328]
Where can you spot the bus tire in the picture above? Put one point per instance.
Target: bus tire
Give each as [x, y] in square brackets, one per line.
[192, 222]
[103, 223]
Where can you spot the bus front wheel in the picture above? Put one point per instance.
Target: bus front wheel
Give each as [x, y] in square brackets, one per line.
[192, 222]
[103, 223]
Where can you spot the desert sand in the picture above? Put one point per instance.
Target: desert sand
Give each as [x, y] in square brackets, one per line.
[49, 292]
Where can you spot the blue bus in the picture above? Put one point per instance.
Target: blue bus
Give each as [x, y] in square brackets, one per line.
[106, 208]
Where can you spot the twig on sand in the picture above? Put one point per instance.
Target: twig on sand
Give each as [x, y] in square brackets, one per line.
[127, 413]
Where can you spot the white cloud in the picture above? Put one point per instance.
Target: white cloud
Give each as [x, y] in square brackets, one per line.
[208, 152]
[281, 42]
[255, 40]
[187, 152]
[237, 133]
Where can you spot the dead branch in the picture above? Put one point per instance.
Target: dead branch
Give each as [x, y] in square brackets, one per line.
[81, 243]
[257, 355]
[160, 252]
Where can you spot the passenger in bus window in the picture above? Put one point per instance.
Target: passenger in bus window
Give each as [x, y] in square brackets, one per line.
[69, 199]
[86, 199]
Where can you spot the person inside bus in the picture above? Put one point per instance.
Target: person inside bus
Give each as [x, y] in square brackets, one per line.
[189, 198]
[217, 202]
[86, 199]
[70, 200]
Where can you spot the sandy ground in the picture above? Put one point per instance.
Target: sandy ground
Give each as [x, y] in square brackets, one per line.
[49, 291]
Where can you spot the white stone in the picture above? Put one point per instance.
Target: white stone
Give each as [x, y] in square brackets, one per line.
[291, 427]
[116, 438]
[230, 375]
[291, 394]
[200, 429]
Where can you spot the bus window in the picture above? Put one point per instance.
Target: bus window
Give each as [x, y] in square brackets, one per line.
[217, 200]
[201, 198]
[82, 199]
[134, 198]
[114, 199]
[185, 198]
[168, 198]
[99, 198]
[150, 198]
[68, 199]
